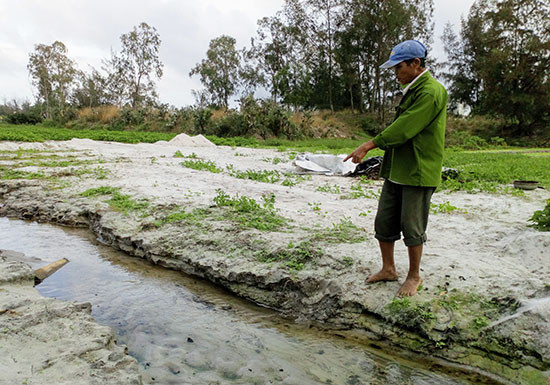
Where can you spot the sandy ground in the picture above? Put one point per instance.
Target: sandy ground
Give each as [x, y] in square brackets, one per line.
[484, 248]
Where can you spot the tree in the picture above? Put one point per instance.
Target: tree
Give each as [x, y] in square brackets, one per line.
[372, 28]
[131, 73]
[506, 59]
[219, 72]
[91, 90]
[52, 73]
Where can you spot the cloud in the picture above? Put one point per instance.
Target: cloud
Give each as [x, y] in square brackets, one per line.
[90, 29]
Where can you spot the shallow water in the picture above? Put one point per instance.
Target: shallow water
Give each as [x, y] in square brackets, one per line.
[183, 330]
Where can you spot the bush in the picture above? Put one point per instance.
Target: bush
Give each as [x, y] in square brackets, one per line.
[100, 114]
[24, 117]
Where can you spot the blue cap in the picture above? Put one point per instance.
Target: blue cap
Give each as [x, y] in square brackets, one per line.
[409, 49]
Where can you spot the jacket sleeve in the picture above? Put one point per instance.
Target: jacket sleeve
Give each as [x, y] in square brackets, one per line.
[409, 124]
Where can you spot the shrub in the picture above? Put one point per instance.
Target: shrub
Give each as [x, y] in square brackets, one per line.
[24, 117]
[541, 218]
[100, 114]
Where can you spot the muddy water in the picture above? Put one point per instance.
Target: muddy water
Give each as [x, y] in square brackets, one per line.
[185, 331]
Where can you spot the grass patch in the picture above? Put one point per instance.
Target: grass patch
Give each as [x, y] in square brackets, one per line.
[8, 173]
[125, 203]
[118, 201]
[25, 133]
[411, 314]
[103, 190]
[484, 171]
[342, 232]
[293, 256]
[250, 213]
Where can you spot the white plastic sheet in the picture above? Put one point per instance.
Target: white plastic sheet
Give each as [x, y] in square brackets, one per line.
[324, 164]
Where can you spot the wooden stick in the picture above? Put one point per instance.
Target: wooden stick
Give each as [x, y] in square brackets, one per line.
[44, 272]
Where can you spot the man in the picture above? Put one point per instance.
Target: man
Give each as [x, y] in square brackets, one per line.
[413, 146]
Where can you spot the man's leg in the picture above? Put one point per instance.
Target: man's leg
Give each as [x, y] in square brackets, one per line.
[387, 230]
[414, 221]
[388, 272]
[413, 280]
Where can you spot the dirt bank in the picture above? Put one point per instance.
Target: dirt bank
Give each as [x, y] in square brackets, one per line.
[308, 248]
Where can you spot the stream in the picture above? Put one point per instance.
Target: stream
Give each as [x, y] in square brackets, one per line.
[184, 330]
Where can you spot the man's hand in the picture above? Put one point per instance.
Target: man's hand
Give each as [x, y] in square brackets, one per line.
[358, 155]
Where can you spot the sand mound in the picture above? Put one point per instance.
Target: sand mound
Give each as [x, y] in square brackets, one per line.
[185, 140]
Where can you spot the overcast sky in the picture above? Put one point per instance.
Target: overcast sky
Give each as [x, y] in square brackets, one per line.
[90, 29]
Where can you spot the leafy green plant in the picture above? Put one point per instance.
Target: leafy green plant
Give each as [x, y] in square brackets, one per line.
[179, 154]
[332, 189]
[202, 165]
[480, 322]
[250, 213]
[445, 207]
[348, 261]
[125, 203]
[265, 176]
[541, 218]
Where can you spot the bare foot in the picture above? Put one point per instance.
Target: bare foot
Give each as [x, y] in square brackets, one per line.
[409, 287]
[383, 275]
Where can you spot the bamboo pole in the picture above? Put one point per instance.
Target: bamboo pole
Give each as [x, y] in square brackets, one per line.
[44, 272]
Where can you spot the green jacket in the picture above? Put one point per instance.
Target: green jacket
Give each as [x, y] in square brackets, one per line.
[414, 142]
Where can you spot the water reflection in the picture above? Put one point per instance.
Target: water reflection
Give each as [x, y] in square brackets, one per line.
[184, 330]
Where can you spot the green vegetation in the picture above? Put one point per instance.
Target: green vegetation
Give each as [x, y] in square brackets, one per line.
[118, 201]
[445, 207]
[358, 191]
[294, 256]
[411, 314]
[41, 133]
[342, 232]
[328, 188]
[250, 213]
[488, 171]
[125, 203]
[103, 190]
[9, 173]
[206, 165]
[541, 218]
[195, 217]
[265, 176]
[178, 154]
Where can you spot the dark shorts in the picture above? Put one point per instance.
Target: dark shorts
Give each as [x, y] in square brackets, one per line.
[403, 209]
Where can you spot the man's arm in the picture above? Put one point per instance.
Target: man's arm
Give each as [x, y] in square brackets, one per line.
[409, 123]
[358, 155]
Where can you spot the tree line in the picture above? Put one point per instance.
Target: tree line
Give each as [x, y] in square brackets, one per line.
[325, 54]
